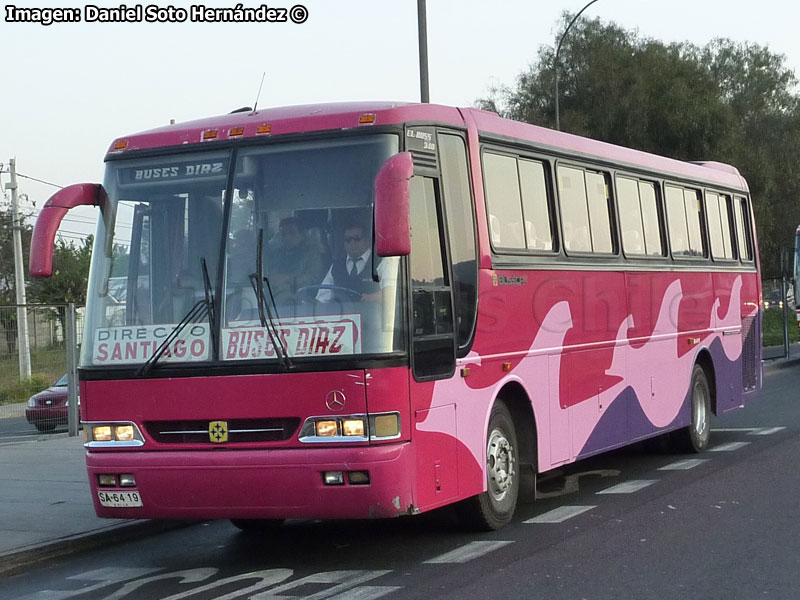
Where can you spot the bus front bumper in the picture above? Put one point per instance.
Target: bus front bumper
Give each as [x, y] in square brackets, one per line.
[255, 484]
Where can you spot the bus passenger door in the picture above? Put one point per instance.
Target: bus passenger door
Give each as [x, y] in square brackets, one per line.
[433, 348]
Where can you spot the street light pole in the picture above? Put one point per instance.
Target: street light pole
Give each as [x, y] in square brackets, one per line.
[558, 51]
[422, 26]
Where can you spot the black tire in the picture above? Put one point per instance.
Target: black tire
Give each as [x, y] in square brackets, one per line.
[494, 508]
[696, 437]
[257, 525]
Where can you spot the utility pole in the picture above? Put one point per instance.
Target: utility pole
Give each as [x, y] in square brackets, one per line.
[23, 344]
[422, 27]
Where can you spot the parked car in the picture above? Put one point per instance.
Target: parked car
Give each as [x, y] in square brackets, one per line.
[48, 409]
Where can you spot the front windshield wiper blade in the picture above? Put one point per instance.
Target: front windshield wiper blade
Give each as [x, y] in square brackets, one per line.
[203, 309]
[197, 312]
[212, 312]
[265, 316]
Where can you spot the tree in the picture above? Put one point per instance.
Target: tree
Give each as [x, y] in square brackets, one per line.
[7, 287]
[70, 275]
[728, 101]
[69, 280]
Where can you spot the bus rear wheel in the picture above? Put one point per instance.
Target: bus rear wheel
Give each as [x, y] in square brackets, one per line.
[696, 437]
[494, 508]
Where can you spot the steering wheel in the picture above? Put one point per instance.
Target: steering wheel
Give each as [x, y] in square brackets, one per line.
[334, 288]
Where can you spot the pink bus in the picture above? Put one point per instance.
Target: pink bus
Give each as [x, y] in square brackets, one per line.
[378, 309]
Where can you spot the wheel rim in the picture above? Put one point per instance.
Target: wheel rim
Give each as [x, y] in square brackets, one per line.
[700, 409]
[499, 465]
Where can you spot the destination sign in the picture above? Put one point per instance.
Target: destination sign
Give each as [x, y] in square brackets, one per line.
[135, 344]
[334, 336]
[173, 171]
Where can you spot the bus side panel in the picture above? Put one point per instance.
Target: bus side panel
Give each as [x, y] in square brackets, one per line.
[448, 457]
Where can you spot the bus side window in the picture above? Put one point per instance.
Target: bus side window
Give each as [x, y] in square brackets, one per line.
[743, 229]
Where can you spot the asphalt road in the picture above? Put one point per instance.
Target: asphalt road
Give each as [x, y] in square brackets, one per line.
[629, 524]
[17, 428]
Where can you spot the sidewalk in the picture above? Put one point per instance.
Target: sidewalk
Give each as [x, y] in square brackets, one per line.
[46, 508]
[773, 356]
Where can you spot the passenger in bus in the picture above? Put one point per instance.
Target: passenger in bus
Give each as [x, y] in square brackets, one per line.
[293, 261]
[353, 270]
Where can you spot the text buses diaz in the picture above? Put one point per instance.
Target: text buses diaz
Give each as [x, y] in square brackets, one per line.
[372, 310]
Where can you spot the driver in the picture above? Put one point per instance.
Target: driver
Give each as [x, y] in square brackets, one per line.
[353, 271]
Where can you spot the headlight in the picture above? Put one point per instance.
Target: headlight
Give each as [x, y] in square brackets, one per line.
[31, 402]
[351, 428]
[100, 435]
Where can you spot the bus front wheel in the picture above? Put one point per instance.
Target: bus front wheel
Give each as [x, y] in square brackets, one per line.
[494, 508]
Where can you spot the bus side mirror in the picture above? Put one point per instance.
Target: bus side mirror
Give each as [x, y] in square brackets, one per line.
[392, 229]
[44, 231]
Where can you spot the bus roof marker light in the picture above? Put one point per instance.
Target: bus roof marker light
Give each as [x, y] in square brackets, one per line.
[210, 134]
[263, 129]
[120, 144]
[367, 119]
[236, 131]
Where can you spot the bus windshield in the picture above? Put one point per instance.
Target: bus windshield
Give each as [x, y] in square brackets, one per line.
[290, 222]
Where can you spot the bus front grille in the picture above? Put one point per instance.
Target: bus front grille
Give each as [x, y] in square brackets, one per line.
[238, 430]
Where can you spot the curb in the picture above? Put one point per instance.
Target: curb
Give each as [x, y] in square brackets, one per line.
[781, 363]
[18, 561]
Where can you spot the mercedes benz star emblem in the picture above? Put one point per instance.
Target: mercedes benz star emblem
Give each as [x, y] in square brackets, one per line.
[335, 400]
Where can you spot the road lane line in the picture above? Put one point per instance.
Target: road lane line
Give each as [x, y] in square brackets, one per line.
[735, 430]
[629, 487]
[766, 431]
[729, 447]
[366, 592]
[467, 552]
[684, 465]
[560, 514]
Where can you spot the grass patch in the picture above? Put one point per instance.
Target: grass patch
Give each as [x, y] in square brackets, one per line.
[773, 328]
[47, 365]
[22, 389]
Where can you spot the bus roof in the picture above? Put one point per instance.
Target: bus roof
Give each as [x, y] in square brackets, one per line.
[277, 121]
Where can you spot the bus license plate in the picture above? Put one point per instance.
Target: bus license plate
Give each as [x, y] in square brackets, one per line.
[120, 499]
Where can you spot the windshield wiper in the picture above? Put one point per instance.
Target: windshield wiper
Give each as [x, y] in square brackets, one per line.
[265, 315]
[203, 309]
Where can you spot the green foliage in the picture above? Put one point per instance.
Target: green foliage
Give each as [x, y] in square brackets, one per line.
[772, 328]
[70, 275]
[728, 101]
[20, 390]
[7, 288]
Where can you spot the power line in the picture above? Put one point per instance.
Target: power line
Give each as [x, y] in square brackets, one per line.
[40, 181]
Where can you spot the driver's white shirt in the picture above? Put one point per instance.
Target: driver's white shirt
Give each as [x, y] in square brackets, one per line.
[387, 273]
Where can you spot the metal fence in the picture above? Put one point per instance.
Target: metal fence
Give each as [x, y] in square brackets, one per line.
[48, 343]
[780, 330]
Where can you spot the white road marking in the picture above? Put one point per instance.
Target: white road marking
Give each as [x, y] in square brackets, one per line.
[751, 430]
[729, 447]
[767, 431]
[467, 552]
[560, 514]
[684, 465]
[629, 487]
[366, 592]
[736, 430]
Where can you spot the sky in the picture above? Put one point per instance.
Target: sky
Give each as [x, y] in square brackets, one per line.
[69, 89]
